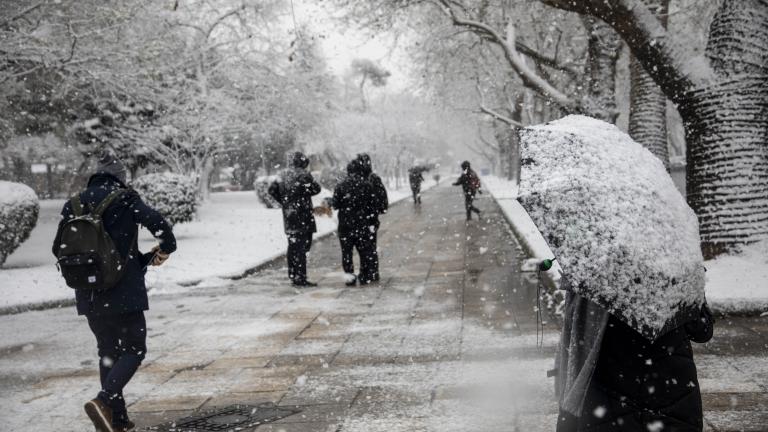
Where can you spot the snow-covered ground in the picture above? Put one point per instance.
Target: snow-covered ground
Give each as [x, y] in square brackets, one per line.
[739, 283]
[735, 283]
[232, 233]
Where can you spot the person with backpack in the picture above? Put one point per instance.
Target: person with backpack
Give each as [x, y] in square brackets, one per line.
[377, 205]
[294, 189]
[97, 251]
[415, 178]
[470, 184]
[352, 197]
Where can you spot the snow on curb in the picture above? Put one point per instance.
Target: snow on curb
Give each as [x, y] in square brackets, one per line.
[504, 192]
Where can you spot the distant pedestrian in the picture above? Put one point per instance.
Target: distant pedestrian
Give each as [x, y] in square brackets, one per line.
[97, 250]
[294, 190]
[352, 198]
[379, 204]
[415, 178]
[470, 184]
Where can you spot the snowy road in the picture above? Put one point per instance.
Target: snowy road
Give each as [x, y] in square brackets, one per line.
[447, 341]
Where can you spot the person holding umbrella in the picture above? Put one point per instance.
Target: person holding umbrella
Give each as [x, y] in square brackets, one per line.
[632, 270]
[415, 178]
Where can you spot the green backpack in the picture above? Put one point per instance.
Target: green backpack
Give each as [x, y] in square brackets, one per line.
[87, 256]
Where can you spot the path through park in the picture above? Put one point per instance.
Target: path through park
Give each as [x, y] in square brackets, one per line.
[447, 341]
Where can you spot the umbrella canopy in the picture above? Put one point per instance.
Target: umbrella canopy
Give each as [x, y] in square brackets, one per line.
[623, 234]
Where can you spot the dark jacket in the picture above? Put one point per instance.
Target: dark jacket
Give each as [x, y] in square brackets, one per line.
[356, 200]
[468, 181]
[121, 220]
[380, 198]
[294, 191]
[415, 178]
[636, 382]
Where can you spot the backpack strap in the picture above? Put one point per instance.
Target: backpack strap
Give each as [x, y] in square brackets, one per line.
[77, 206]
[102, 207]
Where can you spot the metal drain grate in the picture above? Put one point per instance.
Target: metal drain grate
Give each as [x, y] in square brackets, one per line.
[231, 418]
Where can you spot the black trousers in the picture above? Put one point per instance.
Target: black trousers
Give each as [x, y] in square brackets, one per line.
[416, 191]
[298, 247]
[469, 199]
[122, 345]
[364, 240]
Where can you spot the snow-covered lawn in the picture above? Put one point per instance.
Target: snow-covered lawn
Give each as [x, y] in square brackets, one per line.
[233, 232]
[735, 283]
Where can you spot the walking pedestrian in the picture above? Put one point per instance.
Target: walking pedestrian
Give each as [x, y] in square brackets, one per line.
[378, 205]
[352, 198]
[415, 178]
[294, 190]
[113, 298]
[470, 184]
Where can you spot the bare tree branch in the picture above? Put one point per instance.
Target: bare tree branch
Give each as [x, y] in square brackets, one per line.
[508, 45]
[672, 64]
[491, 112]
[21, 14]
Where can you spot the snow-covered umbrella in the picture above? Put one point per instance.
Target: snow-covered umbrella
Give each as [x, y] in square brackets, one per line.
[622, 233]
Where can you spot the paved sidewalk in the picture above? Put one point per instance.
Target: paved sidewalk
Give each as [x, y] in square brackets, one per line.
[447, 341]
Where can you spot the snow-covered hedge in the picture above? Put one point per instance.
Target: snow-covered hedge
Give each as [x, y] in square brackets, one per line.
[173, 195]
[19, 209]
[622, 233]
[261, 186]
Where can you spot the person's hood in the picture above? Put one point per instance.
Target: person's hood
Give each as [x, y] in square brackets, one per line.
[366, 167]
[110, 164]
[299, 160]
[354, 167]
[105, 179]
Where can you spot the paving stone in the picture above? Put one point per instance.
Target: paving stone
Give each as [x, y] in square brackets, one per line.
[171, 403]
[239, 363]
[254, 398]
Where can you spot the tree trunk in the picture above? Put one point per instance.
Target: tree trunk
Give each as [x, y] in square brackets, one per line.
[648, 104]
[205, 178]
[727, 131]
[603, 49]
[723, 101]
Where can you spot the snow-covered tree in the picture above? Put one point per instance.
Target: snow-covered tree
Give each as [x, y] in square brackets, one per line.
[648, 104]
[722, 98]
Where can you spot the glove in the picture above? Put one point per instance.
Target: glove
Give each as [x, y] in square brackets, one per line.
[160, 257]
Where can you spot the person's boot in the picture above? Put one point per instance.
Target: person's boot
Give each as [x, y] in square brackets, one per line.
[100, 415]
[121, 422]
[351, 279]
[304, 283]
[124, 427]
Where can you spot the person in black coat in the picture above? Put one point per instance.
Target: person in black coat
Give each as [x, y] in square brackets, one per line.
[470, 184]
[294, 190]
[415, 178]
[116, 316]
[638, 385]
[353, 200]
[379, 205]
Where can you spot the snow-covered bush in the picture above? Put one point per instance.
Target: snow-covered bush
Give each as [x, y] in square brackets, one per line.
[261, 186]
[622, 233]
[173, 195]
[19, 208]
